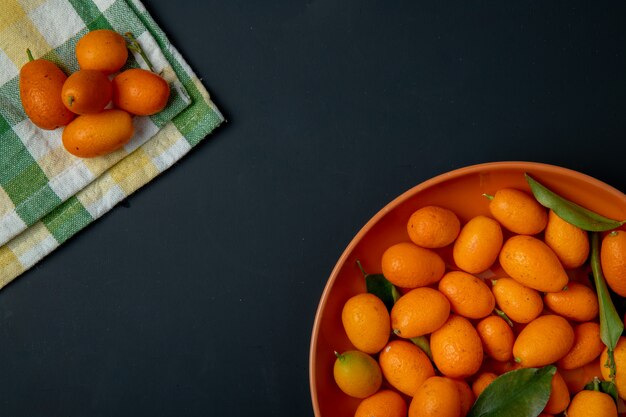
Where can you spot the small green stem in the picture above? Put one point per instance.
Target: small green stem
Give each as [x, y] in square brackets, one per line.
[361, 268]
[610, 363]
[596, 384]
[70, 101]
[488, 196]
[503, 315]
[134, 46]
[30, 55]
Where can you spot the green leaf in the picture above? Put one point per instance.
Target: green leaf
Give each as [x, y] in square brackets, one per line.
[378, 285]
[569, 211]
[422, 343]
[611, 326]
[607, 387]
[519, 393]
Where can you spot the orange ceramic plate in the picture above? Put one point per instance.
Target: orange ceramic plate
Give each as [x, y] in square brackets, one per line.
[460, 190]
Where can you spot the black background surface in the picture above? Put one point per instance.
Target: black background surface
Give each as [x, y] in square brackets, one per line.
[198, 298]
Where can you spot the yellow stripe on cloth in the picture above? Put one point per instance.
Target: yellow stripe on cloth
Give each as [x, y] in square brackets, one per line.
[12, 11]
[133, 171]
[10, 266]
[23, 35]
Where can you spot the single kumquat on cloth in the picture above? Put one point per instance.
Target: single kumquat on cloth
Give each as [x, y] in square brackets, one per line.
[493, 314]
[86, 92]
[102, 50]
[79, 102]
[41, 84]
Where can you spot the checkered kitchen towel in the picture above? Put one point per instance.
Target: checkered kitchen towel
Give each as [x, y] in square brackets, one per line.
[46, 194]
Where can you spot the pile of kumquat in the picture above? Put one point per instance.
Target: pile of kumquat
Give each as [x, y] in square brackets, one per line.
[510, 310]
[79, 102]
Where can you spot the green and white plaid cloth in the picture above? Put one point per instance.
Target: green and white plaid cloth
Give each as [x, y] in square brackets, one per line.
[46, 194]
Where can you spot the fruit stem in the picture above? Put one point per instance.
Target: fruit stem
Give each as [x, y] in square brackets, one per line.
[70, 101]
[503, 316]
[596, 384]
[488, 196]
[610, 363]
[134, 46]
[361, 268]
[338, 355]
[518, 360]
[30, 55]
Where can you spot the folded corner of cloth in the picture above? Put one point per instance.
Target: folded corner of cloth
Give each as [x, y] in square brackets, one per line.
[48, 195]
